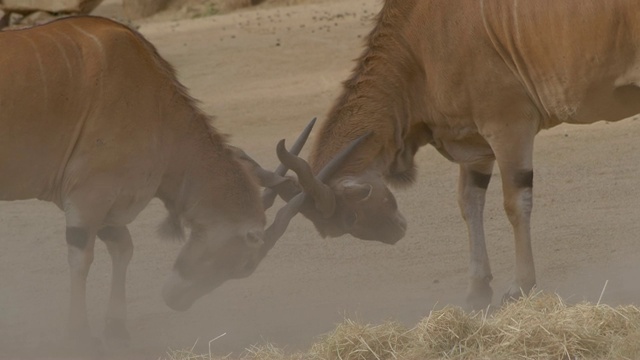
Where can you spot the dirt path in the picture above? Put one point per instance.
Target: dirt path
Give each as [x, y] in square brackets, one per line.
[264, 73]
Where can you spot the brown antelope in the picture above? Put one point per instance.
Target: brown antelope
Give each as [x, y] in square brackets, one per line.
[95, 121]
[476, 79]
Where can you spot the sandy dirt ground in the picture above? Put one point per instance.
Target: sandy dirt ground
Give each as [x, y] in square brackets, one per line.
[264, 73]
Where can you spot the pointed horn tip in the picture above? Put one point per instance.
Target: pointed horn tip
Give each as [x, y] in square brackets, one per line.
[281, 150]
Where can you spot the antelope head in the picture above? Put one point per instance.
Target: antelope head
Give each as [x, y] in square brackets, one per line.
[365, 208]
[298, 199]
[362, 205]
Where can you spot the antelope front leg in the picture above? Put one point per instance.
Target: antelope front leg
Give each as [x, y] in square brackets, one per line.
[80, 242]
[513, 148]
[120, 246]
[518, 203]
[472, 187]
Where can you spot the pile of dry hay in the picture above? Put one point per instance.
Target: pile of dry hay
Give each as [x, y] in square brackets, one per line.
[541, 326]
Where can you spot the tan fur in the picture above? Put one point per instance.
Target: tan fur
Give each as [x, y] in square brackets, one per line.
[94, 120]
[477, 79]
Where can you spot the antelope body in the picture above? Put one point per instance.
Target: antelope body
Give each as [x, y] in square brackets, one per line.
[94, 120]
[476, 79]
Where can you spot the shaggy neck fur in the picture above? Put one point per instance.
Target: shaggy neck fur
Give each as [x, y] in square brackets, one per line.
[382, 96]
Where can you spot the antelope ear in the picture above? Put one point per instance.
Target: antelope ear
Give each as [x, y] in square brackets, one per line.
[355, 192]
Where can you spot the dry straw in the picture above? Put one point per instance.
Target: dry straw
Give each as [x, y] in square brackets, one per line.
[541, 326]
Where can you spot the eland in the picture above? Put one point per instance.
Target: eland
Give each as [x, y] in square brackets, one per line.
[477, 80]
[95, 121]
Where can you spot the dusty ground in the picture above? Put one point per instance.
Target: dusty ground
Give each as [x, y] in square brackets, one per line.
[264, 73]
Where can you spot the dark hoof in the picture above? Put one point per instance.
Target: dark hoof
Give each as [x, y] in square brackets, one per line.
[116, 334]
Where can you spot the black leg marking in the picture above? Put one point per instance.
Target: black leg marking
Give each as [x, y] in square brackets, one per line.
[479, 179]
[5, 20]
[110, 233]
[524, 179]
[77, 237]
